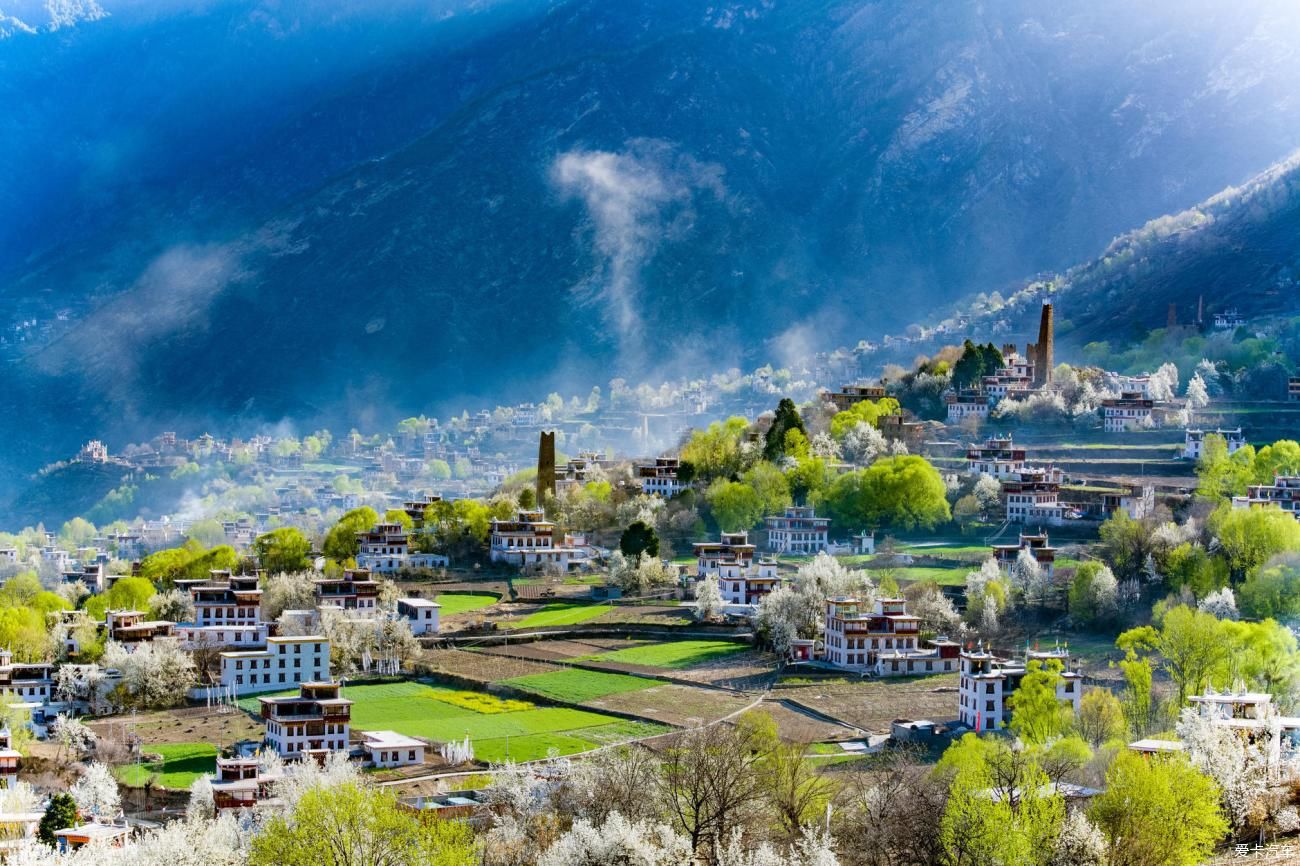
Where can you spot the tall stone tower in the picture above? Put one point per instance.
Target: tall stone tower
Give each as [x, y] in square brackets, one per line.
[545, 466]
[1043, 349]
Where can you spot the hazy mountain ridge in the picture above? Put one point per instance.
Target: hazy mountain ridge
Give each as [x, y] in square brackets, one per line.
[637, 189]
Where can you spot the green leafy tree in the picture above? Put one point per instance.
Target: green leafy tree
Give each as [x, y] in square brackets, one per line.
[639, 538]
[22, 631]
[1192, 646]
[736, 506]
[78, 532]
[904, 492]
[1272, 590]
[975, 363]
[685, 471]
[1037, 715]
[208, 533]
[808, 479]
[61, 814]
[864, 411]
[1000, 808]
[716, 452]
[771, 485]
[348, 825]
[397, 515]
[1125, 543]
[282, 550]
[130, 593]
[1280, 458]
[1101, 717]
[1222, 475]
[787, 420]
[341, 542]
[1158, 811]
[1189, 565]
[1093, 593]
[1249, 537]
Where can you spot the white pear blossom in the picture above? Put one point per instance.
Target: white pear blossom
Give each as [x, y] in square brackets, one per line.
[1221, 603]
[96, 792]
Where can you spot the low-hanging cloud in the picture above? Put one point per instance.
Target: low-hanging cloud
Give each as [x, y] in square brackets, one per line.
[635, 199]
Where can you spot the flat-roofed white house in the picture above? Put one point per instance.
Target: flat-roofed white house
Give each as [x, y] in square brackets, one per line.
[1194, 441]
[798, 530]
[997, 457]
[1283, 493]
[385, 549]
[391, 749]
[1033, 497]
[1130, 411]
[420, 613]
[227, 612]
[312, 723]
[286, 662]
[661, 478]
[529, 540]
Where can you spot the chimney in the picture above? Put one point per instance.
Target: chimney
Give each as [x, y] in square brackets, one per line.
[1172, 320]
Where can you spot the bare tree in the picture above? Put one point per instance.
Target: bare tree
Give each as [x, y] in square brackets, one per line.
[889, 815]
[710, 785]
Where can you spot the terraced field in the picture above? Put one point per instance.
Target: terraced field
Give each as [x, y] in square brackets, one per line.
[463, 602]
[498, 729]
[578, 686]
[561, 613]
[674, 655]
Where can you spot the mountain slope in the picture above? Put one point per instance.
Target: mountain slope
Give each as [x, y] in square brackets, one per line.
[1239, 249]
[561, 192]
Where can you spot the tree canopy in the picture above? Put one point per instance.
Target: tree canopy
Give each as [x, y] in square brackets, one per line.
[904, 492]
[282, 550]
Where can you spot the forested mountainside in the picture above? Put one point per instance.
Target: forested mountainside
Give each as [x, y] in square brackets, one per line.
[316, 212]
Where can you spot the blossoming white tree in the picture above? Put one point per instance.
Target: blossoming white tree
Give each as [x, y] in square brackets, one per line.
[154, 674]
[96, 792]
[618, 840]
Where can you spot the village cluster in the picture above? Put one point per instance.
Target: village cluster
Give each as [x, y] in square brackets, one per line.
[420, 607]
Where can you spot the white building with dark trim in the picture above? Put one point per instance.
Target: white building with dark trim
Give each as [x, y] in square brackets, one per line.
[798, 530]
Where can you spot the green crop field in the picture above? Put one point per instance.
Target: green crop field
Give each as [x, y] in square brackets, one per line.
[463, 602]
[181, 764]
[575, 685]
[674, 654]
[941, 576]
[980, 550]
[562, 613]
[498, 728]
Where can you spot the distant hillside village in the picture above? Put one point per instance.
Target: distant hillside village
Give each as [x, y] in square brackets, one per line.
[990, 542]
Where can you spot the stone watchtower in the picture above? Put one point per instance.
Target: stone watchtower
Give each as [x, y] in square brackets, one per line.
[1041, 354]
[545, 467]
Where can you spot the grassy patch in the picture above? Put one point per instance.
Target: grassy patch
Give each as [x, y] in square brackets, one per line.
[674, 654]
[575, 686]
[442, 714]
[562, 613]
[463, 602]
[181, 764]
[624, 730]
[941, 576]
[586, 580]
